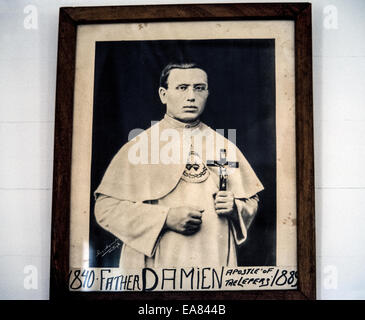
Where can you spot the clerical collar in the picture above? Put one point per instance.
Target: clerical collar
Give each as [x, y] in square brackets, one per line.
[179, 124]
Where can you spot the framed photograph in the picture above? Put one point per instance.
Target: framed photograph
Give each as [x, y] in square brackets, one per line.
[183, 163]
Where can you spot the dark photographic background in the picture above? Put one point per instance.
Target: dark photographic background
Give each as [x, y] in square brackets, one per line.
[241, 76]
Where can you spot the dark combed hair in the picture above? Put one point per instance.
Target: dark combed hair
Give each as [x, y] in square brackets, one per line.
[176, 65]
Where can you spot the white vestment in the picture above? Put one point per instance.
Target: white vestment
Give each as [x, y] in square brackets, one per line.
[140, 225]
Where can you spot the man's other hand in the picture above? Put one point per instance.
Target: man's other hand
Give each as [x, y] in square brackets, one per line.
[184, 220]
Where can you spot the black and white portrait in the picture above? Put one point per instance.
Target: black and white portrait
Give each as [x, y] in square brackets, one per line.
[186, 159]
[176, 213]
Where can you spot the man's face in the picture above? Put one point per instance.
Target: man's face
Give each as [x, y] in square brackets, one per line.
[186, 94]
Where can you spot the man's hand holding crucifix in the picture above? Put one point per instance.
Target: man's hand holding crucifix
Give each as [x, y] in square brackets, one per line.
[224, 203]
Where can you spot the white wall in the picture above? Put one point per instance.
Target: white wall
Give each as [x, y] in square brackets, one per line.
[27, 91]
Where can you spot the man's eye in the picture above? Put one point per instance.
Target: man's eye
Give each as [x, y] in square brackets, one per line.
[200, 88]
[181, 88]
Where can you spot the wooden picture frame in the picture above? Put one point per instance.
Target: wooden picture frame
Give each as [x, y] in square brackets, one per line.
[69, 20]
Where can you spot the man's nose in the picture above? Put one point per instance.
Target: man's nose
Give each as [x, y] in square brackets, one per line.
[191, 94]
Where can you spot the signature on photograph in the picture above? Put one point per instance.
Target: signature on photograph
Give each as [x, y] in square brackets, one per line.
[109, 248]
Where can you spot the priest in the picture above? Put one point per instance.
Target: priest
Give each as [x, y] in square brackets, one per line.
[179, 194]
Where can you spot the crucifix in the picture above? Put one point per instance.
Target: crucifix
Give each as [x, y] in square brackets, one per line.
[222, 163]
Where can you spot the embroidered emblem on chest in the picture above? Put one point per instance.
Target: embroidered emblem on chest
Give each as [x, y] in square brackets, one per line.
[195, 170]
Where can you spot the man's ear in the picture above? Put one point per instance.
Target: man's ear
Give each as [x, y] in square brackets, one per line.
[162, 93]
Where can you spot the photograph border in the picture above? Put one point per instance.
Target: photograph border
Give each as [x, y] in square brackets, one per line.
[69, 20]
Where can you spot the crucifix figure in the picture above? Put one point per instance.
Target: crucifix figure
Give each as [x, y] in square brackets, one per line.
[222, 163]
